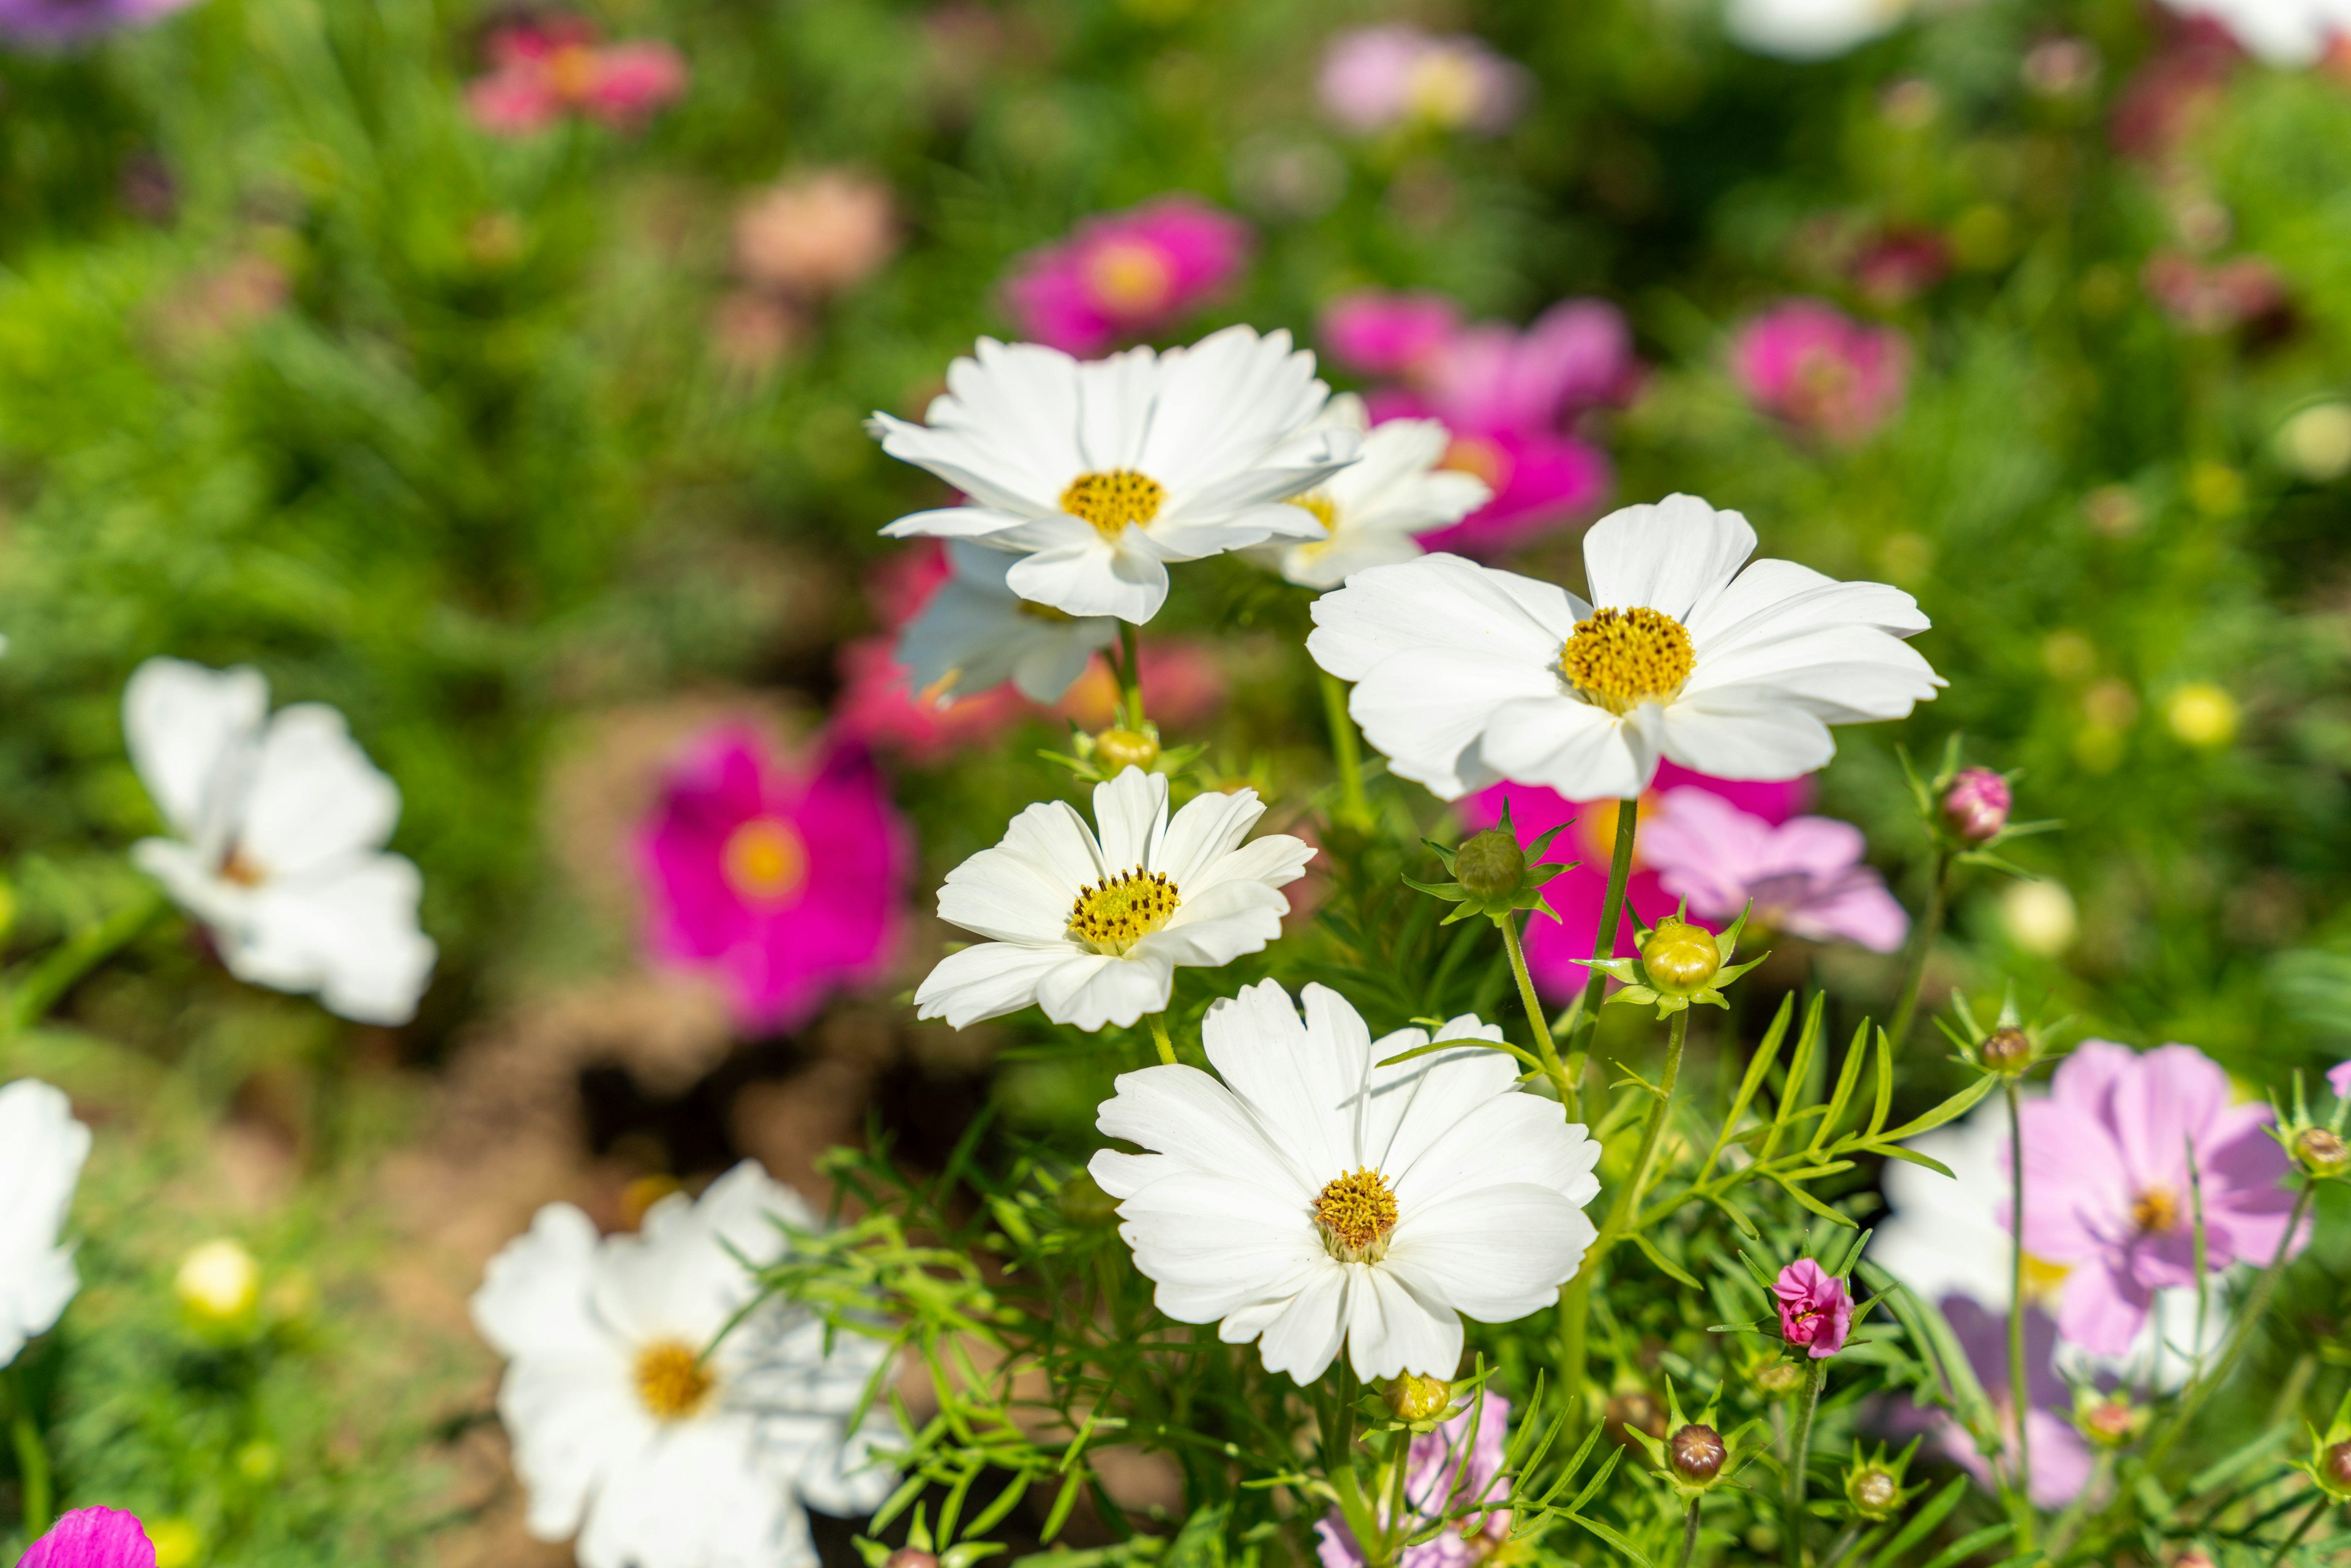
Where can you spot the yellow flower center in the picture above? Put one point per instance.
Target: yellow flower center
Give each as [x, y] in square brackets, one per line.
[2156, 1211]
[1117, 912]
[765, 861]
[2042, 1278]
[242, 869]
[1112, 498]
[573, 70]
[1130, 279]
[1355, 1212]
[1619, 659]
[1443, 88]
[672, 1382]
[1319, 506]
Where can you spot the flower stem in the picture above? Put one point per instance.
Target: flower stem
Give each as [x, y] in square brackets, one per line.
[1799, 1456]
[63, 966]
[32, 1457]
[1689, 1535]
[2318, 1505]
[1559, 1078]
[1922, 948]
[1612, 909]
[1130, 674]
[2017, 1387]
[1355, 809]
[1159, 1038]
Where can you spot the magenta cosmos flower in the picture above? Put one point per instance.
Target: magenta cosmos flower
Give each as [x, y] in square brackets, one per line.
[93, 1538]
[54, 24]
[1805, 876]
[1555, 947]
[1376, 78]
[2106, 1183]
[1820, 370]
[542, 71]
[786, 885]
[1815, 1310]
[2338, 1078]
[1431, 1469]
[1127, 275]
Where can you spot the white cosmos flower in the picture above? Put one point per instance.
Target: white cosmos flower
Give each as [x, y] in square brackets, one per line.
[1370, 509]
[1810, 29]
[627, 1436]
[975, 632]
[41, 1151]
[1090, 927]
[1098, 474]
[280, 825]
[1313, 1198]
[1465, 675]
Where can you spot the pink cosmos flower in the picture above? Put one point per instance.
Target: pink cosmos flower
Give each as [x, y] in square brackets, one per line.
[2106, 1183]
[878, 706]
[787, 884]
[2219, 297]
[1815, 1312]
[93, 1538]
[1805, 876]
[1977, 804]
[1553, 946]
[816, 233]
[53, 24]
[2338, 1078]
[541, 71]
[1432, 1468]
[1375, 333]
[1376, 77]
[1127, 275]
[1820, 370]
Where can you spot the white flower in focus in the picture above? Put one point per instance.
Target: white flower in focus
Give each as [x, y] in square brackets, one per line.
[975, 632]
[281, 822]
[1090, 927]
[1465, 675]
[631, 1438]
[41, 1152]
[1312, 1198]
[1098, 474]
[1810, 29]
[1371, 510]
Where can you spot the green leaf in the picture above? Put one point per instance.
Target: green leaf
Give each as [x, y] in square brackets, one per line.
[1958, 1105]
[1612, 1537]
[1967, 1546]
[1885, 1084]
[1201, 1543]
[1910, 1156]
[1649, 1250]
[1813, 1204]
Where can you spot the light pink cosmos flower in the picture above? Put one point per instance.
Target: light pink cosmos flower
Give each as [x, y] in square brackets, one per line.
[1432, 1468]
[1127, 275]
[787, 885]
[541, 71]
[2062, 1460]
[1806, 877]
[2338, 1078]
[1376, 78]
[1815, 1310]
[1820, 370]
[815, 233]
[93, 1538]
[2106, 1183]
[55, 24]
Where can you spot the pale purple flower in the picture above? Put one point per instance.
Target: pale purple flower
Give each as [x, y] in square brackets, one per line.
[2338, 1078]
[1432, 1471]
[1376, 78]
[1815, 1310]
[2106, 1183]
[2062, 1460]
[51, 24]
[1127, 275]
[1977, 804]
[1820, 370]
[93, 1538]
[1805, 876]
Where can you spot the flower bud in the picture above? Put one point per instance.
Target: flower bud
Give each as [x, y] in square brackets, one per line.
[2007, 1050]
[1417, 1398]
[1120, 749]
[1680, 959]
[2111, 1421]
[1873, 1490]
[1490, 864]
[911, 1557]
[1778, 1377]
[2321, 1152]
[2336, 1461]
[1976, 806]
[218, 1283]
[1697, 1452]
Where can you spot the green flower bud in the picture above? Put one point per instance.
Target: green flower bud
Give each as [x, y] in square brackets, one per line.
[1490, 864]
[1697, 1452]
[1873, 1491]
[1778, 1377]
[1120, 749]
[2336, 1461]
[1680, 959]
[2111, 1421]
[1417, 1398]
[2007, 1050]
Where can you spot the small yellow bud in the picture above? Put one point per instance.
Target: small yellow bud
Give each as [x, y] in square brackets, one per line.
[218, 1281]
[1120, 749]
[1680, 959]
[177, 1545]
[1417, 1398]
[2202, 715]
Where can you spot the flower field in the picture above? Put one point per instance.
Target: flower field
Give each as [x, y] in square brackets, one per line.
[1176, 783]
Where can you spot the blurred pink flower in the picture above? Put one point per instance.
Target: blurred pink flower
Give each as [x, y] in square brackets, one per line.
[1373, 332]
[1555, 946]
[1820, 370]
[2174, 89]
[815, 233]
[2338, 1078]
[2219, 297]
[92, 1538]
[879, 707]
[1806, 877]
[1376, 77]
[1815, 1312]
[1976, 806]
[2106, 1183]
[542, 70]
[1433, 1467]
[1183, 684]
[56, 23]
[788, 884]
[1899, 266]
[1127, 275]
[2062, 1460]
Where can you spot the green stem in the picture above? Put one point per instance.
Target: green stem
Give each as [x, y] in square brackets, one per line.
[1689, 1535]
[1130, 674]
[1611, 910]
[1559, 1077]
[2318, 1505]
[1841, 1545]
[1159, 1039]
[63, 965]
[1922, 947]
[1799, 1458]
[32, 1457]
[2060, 1534]
[2019, 1398]
[1355, 808]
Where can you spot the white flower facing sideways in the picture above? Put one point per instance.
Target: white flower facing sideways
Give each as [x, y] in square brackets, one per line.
[1370, 509]
[635, 1434]
[975, 632]
[280, 822]
[1098, 474]
[1090, 924]
[1466, 675]
[1311, 1198]
[42, 1148]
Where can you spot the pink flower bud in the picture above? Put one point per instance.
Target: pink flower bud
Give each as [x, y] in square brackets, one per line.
[1977, 804]
[1815, 1312]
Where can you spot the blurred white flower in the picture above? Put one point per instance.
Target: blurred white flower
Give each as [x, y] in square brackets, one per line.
[2039, 917]
[975, 632]
[280, 824]
[1371, 510]
[1810, 29]
[1312, 1198]
[632, 1431]
[2285, 33]
[1091, 928]
[218, 1281]
[41, 1152]
[1098, 473]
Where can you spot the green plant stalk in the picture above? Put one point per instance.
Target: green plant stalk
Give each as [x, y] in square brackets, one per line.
[1612, 909]
[1346, 750]
[1559, 1077]
[63, 966]
[1159, 1038]
[32, 1455]
[1922, 948]
[2318, 1505]
[1816, 1373]
[2060, 1534]
[1130, 674]
[2018, 1401]
[1689, 1535]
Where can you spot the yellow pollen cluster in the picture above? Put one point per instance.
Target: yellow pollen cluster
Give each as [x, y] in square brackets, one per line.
[1620, 659]
[1324, 510]
[2156, 1211]
[1112, 498]
[1355, 1212]
[670, 1380]
[1117, 912]
[242, 869]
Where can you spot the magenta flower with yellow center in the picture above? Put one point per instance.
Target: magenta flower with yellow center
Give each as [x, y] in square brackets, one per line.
[1127, 275]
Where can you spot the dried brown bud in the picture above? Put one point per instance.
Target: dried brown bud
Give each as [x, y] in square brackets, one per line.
[1698, 1452]
[2007, 1050]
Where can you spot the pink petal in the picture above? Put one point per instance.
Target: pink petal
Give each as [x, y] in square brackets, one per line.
[93, 1538]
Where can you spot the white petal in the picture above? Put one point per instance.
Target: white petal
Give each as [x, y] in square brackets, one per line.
[1301, 1086]
[1440, 602]
[534, 1300]
[1095, 578]
[1131, 818]
[185, 726]
[1734, 736]
[1583, 752]
[1090, 993]
[349, 934]
[1670, 556]
[1229, 920]
[1392, 1330]
[1495, 1254]
[1192, 1121]
[987, 981]
[983, 526]
[1208, 827]
[314, 799]
[1427, 711]
[42, 1150]
[1304, 1339]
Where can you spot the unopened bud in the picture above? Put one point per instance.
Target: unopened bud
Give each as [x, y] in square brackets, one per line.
[1976, 806]
[1120, 749]
[1490, 864]
[1679, 958]
[1416, 1398]
[218, 1281]
[1777, 1376]
[1873, 1492]
[911, 1557]
[2111, 1421]
[1698, 1452]
[2321, 1152]
[2337, 1462]
[2007, 1050]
